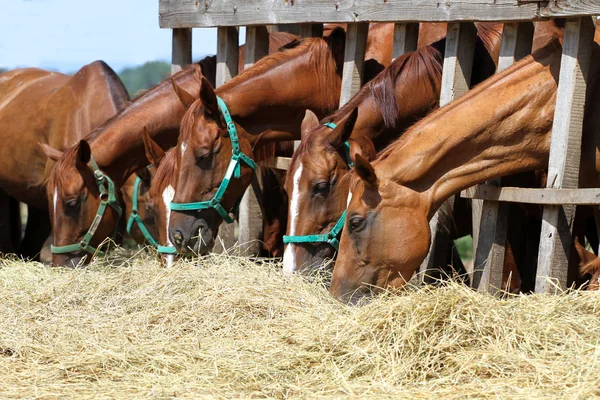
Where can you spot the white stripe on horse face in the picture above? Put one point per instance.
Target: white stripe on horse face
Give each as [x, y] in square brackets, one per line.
[167, 197]
[55, 199]
[349, 199]
[183, 148]
[289, 258]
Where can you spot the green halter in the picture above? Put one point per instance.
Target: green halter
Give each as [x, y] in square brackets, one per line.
[108, 198]
[135, 218]
[234, 169]
[333, 236]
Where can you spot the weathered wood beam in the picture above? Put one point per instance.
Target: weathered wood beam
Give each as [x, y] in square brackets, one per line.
[354, 60]
[191, 13]
[251, 215]
[406, 37]
[490, 218]
[227, 68]
[533, 196]
[181, 53]
[456, 76]
[565, 154]
[294, 29]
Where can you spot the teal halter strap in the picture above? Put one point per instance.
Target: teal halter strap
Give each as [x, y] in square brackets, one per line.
[135, 218]
[108, 198]
[334, 234]
[234, 169]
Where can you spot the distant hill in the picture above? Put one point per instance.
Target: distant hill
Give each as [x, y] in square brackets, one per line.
[3, 70]
[145, 76]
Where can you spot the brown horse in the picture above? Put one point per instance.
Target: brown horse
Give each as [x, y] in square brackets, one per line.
[317, 183]
[501, 127]
[54, 109]
[117, 148]
[266, 106]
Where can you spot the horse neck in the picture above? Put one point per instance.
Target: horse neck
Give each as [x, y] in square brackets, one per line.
[118, 145]
[274, 99]
[479, 137]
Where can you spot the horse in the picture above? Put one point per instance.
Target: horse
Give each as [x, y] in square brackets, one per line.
[267, 106]
[500, 127]
[50, 108]
[115, 151]
[384, 108]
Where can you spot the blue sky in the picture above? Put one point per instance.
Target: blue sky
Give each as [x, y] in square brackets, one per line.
[66, 34]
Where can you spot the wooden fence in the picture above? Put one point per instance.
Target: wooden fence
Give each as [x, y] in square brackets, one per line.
[490, 211]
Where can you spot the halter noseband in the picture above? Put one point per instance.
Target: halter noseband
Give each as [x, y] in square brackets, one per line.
[234, 169]
[108, 198]
[135, 218]
[332, 237]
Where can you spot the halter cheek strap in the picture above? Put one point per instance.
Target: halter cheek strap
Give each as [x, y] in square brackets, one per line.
[333, 236]
[108, 198]
[135, 218]
[233, 170]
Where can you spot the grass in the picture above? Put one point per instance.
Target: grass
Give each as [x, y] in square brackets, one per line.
[224, 326]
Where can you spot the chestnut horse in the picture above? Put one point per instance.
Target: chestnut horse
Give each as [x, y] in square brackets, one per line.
[500, 127]
[118, 151]
[38, 106]
[316, 182]
[265, 104]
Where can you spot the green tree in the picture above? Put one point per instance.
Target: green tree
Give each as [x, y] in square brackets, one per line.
[3, 70]
[144, 76]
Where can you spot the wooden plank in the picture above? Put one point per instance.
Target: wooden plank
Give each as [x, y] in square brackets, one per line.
[534, 196]
[565, 149]
[456, 75]
[192, 13]
[354, 60]
[282, 163]
[490, 218]
[573, 8]
[406, 37]
[311, 30]
[251, 215]
[227, 54]
[181, 53]
[227, 68]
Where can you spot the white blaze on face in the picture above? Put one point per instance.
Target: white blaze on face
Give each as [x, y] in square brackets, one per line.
[55, 199]
[167, 197]
[349, 199]
[289, 258]
[183, 148]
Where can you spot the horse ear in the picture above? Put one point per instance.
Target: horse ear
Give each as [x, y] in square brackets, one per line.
[51, 152]
[84, 153]
[585, 258]
[309, 123]
[342, 133]
[186, 98]
[154, 153]
[209, 99]
[365, 170]
[363, 146]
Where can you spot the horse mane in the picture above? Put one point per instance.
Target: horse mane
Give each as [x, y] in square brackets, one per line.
[118, 93]
[208, 65]
[423, 64]
[543, 53]
[165, 174]
[56, 178]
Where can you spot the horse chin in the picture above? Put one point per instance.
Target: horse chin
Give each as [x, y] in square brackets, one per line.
[71, 260]
[315, 259]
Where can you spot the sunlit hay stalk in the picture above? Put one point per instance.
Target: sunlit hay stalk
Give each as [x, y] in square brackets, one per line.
[225, 326]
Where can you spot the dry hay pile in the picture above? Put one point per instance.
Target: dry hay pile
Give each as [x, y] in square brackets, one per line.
[227, 327]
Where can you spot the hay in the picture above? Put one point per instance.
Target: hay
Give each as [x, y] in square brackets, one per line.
[227, 327]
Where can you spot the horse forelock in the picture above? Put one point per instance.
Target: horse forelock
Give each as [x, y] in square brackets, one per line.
[165, 174]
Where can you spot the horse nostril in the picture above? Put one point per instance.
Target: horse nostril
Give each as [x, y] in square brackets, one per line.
[178, 238]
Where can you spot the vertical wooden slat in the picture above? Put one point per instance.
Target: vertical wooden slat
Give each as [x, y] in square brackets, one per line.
[227, 68]
[354, 60]
[251, 216]
[181, 53]
[489, 238]
[456, 75]
[565, 152]
[406, 37]
[311, 30]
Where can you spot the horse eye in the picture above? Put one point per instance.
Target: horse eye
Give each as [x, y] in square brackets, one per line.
[321, 188]
[72, 203]
[356, 224]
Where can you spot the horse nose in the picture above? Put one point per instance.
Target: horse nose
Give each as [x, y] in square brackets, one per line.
[178, 238]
